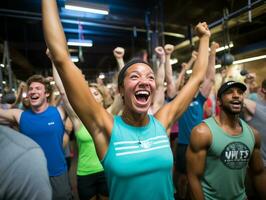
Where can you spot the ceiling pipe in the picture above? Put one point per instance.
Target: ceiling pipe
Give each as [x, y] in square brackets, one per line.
[217, 26]
[37, 16]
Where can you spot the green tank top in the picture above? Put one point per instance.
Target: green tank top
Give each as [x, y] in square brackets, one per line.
[88, 162]
[226, 163]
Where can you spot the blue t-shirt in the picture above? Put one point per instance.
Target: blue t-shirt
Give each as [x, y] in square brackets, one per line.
[47, 130]
[190, 118]
[139, 161]
[253, 96]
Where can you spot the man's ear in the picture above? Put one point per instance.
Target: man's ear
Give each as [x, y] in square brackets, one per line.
[47, 94]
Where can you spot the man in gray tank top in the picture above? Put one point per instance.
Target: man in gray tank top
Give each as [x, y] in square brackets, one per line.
[220, 150]
[255, 116]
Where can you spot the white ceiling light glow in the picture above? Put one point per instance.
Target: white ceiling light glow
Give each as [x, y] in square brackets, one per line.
[74, 58]
[80, 43]
[87, 7]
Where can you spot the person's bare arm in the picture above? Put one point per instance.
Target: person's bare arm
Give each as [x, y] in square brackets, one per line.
[250, 106]
[185, 67]
[200, 141]
[209, 80]
[194, 56]
[108, 99]
[158, 99]
[68, 130]
[250, 82]
[171, 86]
[170, 112]
[249, 109]
[10, 116]
[96, 119]
[180, 77]
[117, 105]
[21, 91]
[256, 167]
[68, 108]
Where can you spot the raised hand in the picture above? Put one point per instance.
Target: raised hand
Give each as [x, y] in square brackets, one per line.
[214, 46]
[202, 30]
[160, 53]
[168, 48]
[119, 52]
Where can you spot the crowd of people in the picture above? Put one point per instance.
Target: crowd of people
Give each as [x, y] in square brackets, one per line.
[153, 136]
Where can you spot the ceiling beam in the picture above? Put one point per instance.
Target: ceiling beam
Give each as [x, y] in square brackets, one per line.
[236, 21]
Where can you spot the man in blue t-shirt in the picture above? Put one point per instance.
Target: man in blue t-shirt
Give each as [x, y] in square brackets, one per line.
[44, 124]
[191, 118]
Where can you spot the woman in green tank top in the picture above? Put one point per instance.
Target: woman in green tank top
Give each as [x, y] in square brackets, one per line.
[91, 180]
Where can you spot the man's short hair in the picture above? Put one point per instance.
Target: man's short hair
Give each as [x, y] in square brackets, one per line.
[229, 84]
[40, 79]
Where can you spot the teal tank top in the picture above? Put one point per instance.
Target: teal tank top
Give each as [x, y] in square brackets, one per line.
[138, 163]
[88, 162]
[226, 163]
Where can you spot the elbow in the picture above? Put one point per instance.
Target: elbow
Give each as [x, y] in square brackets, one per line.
[198, 78]
[60, 60]
[59, 55]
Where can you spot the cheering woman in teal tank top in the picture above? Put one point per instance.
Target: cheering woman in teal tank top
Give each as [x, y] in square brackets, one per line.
[133, 147]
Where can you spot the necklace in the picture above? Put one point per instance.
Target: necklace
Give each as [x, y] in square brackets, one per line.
[145, 144]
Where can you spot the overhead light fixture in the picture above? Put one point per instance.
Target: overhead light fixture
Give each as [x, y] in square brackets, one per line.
[87, 7]
[80, 43]
[225, 47]
[2, 65]
[173, 61]
[74, 58]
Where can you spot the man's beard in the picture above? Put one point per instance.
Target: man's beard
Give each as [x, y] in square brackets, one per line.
[229, 110]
